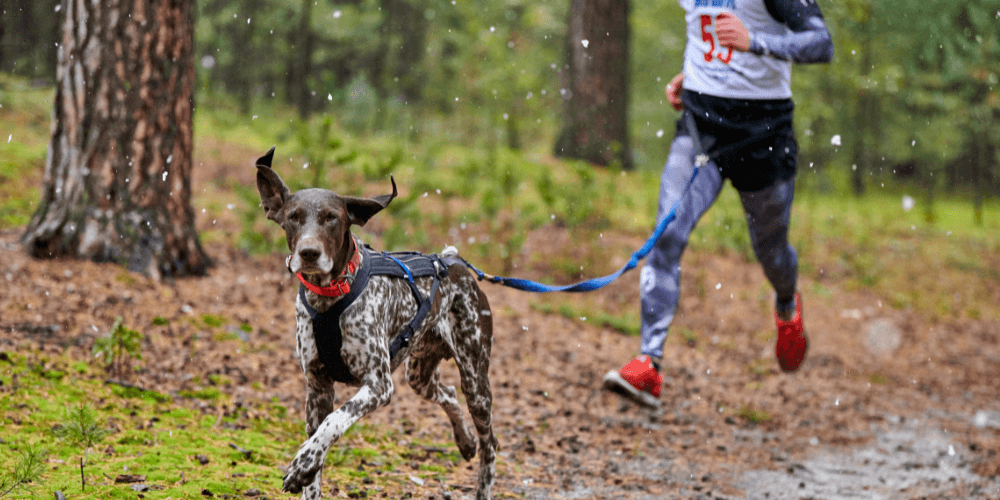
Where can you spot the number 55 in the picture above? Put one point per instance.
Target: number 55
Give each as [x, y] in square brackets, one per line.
[709, 36]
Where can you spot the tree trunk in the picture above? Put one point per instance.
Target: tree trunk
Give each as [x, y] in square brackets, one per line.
[303, 96]
[3, 25]
[595, 86]
[118, 174]
[867, 117]
[403, 34]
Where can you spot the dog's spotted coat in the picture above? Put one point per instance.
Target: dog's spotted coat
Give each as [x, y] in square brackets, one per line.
[459, 325]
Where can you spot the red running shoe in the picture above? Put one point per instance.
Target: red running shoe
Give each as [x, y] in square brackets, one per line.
[792, 341]
[638, 381]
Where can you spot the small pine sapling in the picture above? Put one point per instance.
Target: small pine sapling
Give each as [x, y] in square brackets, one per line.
[81, 428]
[28, 467]
[119, 349]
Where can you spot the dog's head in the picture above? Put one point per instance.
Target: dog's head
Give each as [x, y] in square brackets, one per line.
[317, 222]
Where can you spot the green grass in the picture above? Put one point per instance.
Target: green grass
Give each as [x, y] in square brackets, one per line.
[627, 323]
[753, 415]
[161, 437]
[25, 114]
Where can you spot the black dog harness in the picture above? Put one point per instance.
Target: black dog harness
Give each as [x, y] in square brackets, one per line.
[409, 265]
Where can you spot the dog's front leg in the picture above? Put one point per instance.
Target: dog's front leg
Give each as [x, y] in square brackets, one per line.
[376, 391]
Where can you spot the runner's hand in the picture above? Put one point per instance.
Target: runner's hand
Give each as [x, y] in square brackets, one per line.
[731, 32]
[674, 91]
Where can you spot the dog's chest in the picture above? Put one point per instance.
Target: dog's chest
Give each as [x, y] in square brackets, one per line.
[345, 341]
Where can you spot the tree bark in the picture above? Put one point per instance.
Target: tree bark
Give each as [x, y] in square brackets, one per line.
[117, 183]
[595, 84]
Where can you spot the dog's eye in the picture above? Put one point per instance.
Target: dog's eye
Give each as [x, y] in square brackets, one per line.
[330, 219]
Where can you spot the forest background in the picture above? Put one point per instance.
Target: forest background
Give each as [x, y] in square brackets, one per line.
[911, 95]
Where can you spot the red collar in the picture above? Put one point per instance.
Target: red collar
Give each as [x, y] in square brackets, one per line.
[339, 286]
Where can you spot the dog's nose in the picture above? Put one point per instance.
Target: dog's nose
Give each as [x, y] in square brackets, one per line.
[309, 254]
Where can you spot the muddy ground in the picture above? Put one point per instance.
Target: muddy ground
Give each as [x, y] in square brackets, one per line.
[887, 405]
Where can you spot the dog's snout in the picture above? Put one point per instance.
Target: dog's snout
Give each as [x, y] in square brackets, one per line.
[309, 254]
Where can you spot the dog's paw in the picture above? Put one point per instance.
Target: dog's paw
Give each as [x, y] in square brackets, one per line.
[303, 469]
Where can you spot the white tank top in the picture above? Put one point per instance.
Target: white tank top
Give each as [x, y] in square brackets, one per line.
[712, 69]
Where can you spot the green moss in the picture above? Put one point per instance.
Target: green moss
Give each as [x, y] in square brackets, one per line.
[754, 415]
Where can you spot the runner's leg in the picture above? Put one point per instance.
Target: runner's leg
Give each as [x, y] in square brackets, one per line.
[768, 212]
[660, 278]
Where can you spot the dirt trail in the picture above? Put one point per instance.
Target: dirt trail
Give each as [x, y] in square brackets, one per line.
[908, 410]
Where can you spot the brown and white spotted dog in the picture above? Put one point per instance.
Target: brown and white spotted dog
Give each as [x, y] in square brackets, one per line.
[317, 223]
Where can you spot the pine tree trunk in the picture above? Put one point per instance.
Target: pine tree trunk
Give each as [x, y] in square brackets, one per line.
[595, 87]
[867, 117]
[304, 48]
[117, 183]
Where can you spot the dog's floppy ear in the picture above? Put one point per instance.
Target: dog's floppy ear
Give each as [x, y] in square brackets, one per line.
[362, 209]
[273, 192]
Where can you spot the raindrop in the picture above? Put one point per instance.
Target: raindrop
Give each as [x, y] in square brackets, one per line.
[9, 137]
[164, 176]
[305, 166]
[718, 286]
[814, 441]
[835, 140]
[951, 450]
[908, 203]
[585, 43]
[659, 133]
[336, 14]
[329, 97]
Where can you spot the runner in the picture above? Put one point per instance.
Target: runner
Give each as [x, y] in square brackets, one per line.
[736, 85]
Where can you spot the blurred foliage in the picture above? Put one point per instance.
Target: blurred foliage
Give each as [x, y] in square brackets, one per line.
[911, 93]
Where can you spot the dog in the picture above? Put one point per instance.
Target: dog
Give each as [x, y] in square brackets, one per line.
[458, 324]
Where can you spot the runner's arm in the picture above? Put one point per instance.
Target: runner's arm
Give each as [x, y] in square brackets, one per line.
[809, 41]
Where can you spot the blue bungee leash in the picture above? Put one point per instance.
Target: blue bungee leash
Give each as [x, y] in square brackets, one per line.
[701, 159]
